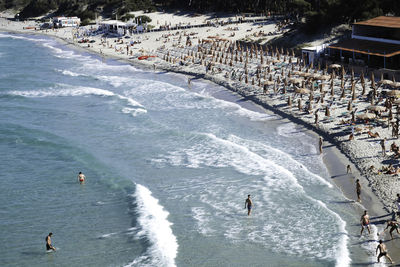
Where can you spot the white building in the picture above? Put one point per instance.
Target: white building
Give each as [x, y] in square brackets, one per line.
[66, 21]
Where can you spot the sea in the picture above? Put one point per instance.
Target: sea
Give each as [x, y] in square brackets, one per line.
[168, 168]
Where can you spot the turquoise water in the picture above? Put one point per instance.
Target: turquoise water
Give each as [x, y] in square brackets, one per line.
[168, 169]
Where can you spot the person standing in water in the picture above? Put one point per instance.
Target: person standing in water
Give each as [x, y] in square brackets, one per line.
[49, 246]
[382, 251]
[365, 222]
[248, 204]
[81, 177]
[358, 190]
[321, 141]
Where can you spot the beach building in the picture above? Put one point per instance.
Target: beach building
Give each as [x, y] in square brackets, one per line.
[66, 22]
[113, 27]
[311, 54]
[374, 42]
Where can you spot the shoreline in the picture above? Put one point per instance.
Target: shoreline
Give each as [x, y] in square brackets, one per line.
[335, 157]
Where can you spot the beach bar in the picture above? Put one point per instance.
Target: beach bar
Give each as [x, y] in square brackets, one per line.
[66, 22]
[374, 42]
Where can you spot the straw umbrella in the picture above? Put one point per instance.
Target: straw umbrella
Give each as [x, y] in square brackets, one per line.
[299, 105]
[350, 105]
[372, 79]
[327, 112]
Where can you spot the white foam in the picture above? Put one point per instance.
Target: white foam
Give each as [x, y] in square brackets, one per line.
[134, 111]
[342, 255]
[202, 218]
[70, 73]
[288, 130]
[107, 235]
[278, 156]
[277, 182]
[154, 225]
[62, 92]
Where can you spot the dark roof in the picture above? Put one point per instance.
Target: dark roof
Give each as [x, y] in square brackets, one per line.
[368, 47]
[382, 21]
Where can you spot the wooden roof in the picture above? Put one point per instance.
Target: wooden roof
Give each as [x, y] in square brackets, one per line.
[382, 21]
[368, 47]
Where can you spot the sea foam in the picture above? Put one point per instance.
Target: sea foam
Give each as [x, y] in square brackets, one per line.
[155, 227]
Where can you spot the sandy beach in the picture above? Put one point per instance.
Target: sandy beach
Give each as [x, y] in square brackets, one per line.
[325, 104]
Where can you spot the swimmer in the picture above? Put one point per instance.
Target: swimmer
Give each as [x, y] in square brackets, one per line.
[248, 203]
[382, 251]
[365, 222]
[48, 243]
[81, 177]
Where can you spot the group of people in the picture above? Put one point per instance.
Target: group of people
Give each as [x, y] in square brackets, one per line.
[393, 225]
[49, 246]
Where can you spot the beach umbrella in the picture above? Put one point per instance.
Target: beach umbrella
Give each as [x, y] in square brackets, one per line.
[363, 88]
[343, 94]
[376, 108]
[299, 105]
[366, 116]
[327, 112]
[372, 79]
[289, 101]
[350, 106]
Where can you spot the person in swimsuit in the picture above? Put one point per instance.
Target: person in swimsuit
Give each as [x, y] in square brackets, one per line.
[81, 177]
[358, 190]
[248, 203]
[393, 226]
[48, 243]
[365, 222]
[348, 169]
[382, 251]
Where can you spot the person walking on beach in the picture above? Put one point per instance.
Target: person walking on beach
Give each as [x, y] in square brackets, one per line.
[358, 190]
[248, 204]
[348, 169]
[321, 141]
[383, 146]
[81, 177]
[393, 226]
[365, 222]
[382, 251]
[49, 246]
